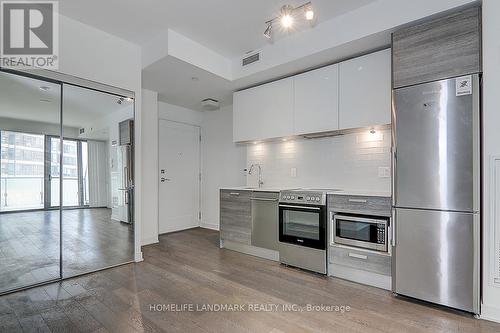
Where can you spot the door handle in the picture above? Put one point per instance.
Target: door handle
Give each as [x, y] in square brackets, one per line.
[358, 256]
[263, 199]
[162, 179]
[358, 200]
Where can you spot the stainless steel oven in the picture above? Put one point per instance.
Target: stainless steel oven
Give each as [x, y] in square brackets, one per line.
[303, 225]
[361, 231]
[303, 229]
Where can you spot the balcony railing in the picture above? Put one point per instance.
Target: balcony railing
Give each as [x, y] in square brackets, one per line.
[20, 193]
[24, 193]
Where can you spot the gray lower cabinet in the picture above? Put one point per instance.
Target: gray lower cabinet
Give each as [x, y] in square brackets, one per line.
[361, 205]
[437, 49]
[353, 263]
[362, 260]
[236, 216]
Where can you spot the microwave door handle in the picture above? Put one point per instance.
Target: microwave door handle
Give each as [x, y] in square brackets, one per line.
[332, 231]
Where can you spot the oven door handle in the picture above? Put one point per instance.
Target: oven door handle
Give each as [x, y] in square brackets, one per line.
[300, 207]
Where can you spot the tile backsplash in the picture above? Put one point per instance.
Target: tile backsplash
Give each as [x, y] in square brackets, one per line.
[356, 161]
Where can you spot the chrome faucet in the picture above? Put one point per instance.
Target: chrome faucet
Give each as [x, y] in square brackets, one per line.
[260, 173]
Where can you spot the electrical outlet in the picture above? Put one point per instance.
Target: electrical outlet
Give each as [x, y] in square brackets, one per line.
[384, 172]
[293, 172]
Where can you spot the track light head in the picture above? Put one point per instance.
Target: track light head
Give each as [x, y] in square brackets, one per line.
[309, 12]
[287, 16]
[269, 30]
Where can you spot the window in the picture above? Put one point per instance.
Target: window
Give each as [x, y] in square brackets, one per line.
[22, 170]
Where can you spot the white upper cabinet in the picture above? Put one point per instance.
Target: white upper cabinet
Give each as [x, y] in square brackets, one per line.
[316, 100]
[353, 94]
[365, 91]
[263, 112]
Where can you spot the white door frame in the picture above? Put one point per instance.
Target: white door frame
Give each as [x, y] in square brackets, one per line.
[199, 168]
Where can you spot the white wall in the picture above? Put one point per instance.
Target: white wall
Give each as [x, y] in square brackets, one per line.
[222, 162]
[179, 114]
[150, 167]
[491, 147]
[348, 162]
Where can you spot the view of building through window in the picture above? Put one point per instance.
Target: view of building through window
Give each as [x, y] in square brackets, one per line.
[22, 164]
[22, 182]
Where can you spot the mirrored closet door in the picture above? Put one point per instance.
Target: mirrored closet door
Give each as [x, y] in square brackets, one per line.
[98, 180]
[66, 181]
[30, 114]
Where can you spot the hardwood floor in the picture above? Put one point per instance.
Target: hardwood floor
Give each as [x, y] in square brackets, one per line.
[189, 268]
[29, 245]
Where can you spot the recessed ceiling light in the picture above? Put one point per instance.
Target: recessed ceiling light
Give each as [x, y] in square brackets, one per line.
[44, 88]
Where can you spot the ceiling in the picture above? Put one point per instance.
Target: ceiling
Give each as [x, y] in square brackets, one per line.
[229, 27]
[21, 98]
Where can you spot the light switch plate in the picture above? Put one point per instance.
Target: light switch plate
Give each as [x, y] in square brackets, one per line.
[293, 172]
[384, 172]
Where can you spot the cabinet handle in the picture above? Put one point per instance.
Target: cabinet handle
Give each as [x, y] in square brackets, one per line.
[234, 193]
[358, 256]
[263, 199]
[358, 200]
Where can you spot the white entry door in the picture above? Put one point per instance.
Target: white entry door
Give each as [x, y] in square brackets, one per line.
[179, 166]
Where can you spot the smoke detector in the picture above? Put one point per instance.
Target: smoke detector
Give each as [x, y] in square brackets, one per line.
[210, 104]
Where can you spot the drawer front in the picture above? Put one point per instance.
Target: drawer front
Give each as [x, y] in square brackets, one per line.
[354, 204]
[362, 260]
[236, 216]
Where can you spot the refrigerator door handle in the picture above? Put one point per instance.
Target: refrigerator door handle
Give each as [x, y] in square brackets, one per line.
[394, 177]
[393, 227]
[125, 176]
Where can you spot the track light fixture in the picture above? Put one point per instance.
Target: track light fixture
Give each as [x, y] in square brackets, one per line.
[268, 31]
[287, 17]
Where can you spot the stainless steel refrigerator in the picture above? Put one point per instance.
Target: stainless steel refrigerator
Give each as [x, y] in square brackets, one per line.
[436, 192]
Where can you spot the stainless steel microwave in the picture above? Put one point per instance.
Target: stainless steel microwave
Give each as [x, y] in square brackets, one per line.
[361, 231]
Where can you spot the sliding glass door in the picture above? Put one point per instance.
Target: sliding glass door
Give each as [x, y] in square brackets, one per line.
[74, 157]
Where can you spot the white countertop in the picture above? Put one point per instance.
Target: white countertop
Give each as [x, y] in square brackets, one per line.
[342, 192]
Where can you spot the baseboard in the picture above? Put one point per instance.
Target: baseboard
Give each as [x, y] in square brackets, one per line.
[169, 230]
[210, 226]
[491, 313]
[139, 257]
[150, 240]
